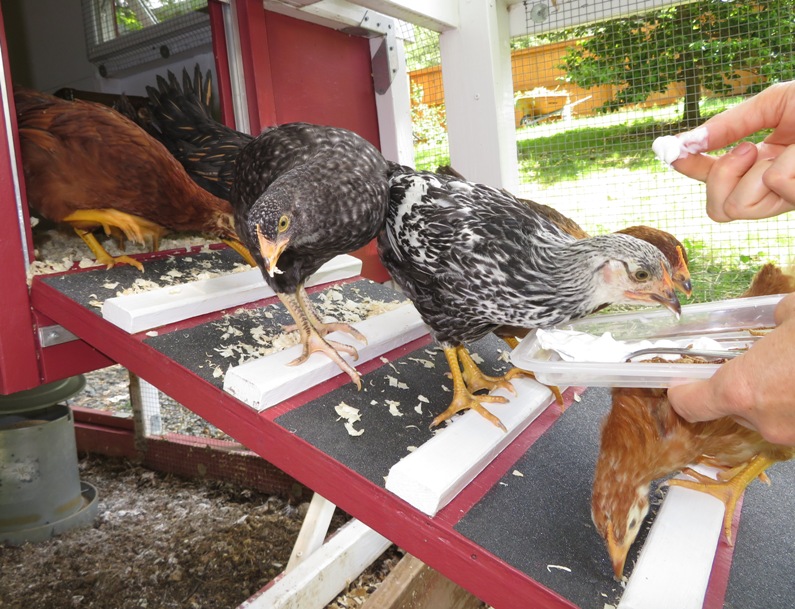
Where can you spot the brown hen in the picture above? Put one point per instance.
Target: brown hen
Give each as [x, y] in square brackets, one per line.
[87, 166]
[643, 439]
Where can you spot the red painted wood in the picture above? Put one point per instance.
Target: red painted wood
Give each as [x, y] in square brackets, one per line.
[322, 76]
[715, 596]
[19, 367]
[432, 540]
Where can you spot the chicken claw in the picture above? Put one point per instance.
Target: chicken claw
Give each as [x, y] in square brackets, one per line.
[462, 398]
[313, 341]
[728, 491]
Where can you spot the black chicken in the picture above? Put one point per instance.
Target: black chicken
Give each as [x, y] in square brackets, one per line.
[472, 258]
[181, 119]
[303, 194]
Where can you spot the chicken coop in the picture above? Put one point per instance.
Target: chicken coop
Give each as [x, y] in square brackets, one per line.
[557, 102]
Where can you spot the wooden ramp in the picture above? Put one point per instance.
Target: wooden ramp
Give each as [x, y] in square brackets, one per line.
[505, 516]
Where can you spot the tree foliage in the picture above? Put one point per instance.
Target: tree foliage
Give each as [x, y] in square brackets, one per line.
[703, 44]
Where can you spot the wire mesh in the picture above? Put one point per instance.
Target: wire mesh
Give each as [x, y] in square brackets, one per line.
[123, 34]
[429, 127]
[590, 100]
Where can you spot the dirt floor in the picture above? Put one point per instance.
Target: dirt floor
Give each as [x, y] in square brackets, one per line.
[162, 542]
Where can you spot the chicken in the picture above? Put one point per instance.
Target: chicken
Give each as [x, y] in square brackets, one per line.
[303, 194]
[643, 439]
[87, 166]
[669, 245]
[472, 258]
[180, 117]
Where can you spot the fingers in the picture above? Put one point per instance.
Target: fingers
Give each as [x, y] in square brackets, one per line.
[780, 176]
[696, 166]
[772, 108]
[725, 176]
[694, 401]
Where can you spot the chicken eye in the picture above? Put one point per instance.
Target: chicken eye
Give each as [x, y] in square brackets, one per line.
[284, 222]
[642, 275]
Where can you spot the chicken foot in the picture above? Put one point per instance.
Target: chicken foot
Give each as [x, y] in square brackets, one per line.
[728, 491]
[113, 222]
[324, 328]
[513, 342]
[313, 341]
[463, 399]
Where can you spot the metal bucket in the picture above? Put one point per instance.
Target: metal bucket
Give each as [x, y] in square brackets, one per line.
[40, 490]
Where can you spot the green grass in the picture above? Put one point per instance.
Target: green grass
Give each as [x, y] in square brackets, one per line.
[552, 152]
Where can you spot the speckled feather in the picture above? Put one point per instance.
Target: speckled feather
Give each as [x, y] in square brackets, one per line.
[333, 182]
[473, 258]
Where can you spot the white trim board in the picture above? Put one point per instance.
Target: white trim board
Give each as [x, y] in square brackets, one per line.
[431, 476]
[324, 574]
[139, 312]
[266, 381]
[679, 550]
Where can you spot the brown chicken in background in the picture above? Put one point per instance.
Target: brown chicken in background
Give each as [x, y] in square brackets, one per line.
[643, 439]
[87, 166]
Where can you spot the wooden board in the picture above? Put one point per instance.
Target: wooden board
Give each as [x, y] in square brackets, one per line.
[167, 305]
[266, 381]
[437, 471]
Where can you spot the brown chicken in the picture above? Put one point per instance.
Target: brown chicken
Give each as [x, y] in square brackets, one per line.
[87, 166]
[643, 439]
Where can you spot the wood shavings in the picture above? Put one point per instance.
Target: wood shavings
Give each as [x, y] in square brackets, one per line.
[476, 358]
[577, 397]
[218, 372]
[411, 449]
[561, 567]
[394, 408]
[418, 409]
[152, 333]
[425, 363]
[505, 356]
[350, 415]
[111, 285]
[517, 473]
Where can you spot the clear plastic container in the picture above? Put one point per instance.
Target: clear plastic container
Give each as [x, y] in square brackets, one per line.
[723, 320]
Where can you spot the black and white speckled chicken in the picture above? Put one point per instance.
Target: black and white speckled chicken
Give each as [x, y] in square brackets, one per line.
[303, 194]
[472, 258]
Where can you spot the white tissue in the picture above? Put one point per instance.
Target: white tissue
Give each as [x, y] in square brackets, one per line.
[670, 148]
[575, 346]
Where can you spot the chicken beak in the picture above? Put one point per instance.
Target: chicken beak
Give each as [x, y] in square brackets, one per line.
[665, 294]
[682, 274]
[684, 285]
[618, 554]
[271, 251]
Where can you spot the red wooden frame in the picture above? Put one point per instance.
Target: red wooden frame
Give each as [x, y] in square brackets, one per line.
[18, 359]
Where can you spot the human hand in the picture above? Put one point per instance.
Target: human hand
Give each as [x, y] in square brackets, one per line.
[751, 181]
[756, 388]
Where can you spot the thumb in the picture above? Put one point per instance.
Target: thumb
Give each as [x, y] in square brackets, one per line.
[694, 401]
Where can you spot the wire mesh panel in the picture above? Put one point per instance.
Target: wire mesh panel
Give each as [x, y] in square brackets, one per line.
[429, 127]
[122, 34]
[589, 102]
